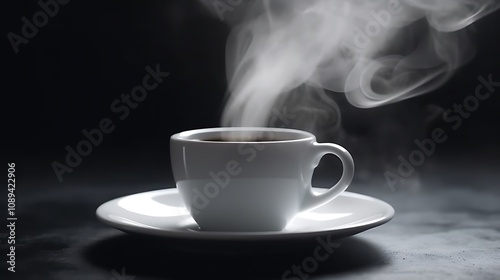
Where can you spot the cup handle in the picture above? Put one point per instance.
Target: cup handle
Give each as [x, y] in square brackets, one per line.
[319, 150]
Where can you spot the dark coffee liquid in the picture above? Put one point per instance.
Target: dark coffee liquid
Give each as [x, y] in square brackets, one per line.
[240, 139]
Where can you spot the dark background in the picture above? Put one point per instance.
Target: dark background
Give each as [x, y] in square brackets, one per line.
[65, 79]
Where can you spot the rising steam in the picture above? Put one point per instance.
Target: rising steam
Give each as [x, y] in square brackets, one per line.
[376, 51]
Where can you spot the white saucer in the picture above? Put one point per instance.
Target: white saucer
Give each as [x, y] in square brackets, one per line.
[162, 213]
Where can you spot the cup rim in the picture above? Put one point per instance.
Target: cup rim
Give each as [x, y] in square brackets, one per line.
[185, 135]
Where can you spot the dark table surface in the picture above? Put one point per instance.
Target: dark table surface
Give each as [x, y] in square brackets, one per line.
[445, 227]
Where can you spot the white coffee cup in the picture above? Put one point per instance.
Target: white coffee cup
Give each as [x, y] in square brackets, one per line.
[251, 179]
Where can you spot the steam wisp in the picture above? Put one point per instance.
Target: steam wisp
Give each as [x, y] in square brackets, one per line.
[377, 52]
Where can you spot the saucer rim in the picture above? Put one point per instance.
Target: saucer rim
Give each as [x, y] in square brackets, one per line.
[259, 235]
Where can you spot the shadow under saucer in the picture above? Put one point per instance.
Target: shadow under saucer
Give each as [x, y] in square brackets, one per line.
[146, 256]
